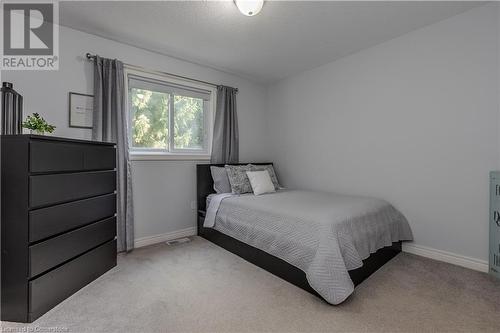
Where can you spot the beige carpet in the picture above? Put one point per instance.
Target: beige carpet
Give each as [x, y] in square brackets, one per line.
[199, 287]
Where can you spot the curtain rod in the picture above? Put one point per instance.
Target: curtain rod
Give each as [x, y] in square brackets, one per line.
[91, 57]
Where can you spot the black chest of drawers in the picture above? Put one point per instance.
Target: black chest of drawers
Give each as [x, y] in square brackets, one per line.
[58, 220]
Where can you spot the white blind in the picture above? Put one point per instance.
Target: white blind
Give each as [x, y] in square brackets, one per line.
[167, 87]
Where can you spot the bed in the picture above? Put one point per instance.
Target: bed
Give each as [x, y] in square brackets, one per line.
[324, 243]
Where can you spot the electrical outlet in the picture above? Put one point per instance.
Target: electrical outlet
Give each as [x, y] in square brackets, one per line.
[193, 205]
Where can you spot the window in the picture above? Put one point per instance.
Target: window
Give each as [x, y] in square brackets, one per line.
[168, 117]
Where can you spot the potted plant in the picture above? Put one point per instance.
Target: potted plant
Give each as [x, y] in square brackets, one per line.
[38, 125]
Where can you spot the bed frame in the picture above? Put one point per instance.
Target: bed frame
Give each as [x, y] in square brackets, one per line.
[272, 264]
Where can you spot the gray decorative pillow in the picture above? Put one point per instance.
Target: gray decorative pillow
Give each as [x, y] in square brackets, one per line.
[221, 182]
[270, 169]
[238, 178]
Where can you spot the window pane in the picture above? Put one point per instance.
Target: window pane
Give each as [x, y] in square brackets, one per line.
[149, 118]
[188, 122]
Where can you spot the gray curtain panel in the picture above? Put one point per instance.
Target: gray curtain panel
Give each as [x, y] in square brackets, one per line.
[110, 124]
[225, 144]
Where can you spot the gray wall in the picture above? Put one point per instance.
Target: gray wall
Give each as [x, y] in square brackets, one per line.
[413, 120]
[163, 190]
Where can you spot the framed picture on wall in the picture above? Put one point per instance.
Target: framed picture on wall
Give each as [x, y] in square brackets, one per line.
[81, 110]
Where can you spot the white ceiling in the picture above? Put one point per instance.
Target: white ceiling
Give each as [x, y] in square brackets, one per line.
[284, 39]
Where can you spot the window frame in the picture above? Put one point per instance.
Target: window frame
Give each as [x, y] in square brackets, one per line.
[137, 153]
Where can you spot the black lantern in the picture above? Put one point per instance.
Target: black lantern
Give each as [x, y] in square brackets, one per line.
[12, 110]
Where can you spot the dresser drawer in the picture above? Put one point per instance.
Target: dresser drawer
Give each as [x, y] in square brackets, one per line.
[52, 252]
[61, 156]
[50, 289]
[54, 189]
[49, 221]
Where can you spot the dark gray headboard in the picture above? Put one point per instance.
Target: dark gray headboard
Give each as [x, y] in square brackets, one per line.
[205, 183]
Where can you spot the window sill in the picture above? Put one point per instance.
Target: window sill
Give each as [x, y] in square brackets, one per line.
[148, 156]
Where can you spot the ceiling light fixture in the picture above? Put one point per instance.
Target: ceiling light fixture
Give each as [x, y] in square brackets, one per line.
[249, 7]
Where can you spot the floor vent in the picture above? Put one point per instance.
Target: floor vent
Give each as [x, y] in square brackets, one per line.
[178, 241]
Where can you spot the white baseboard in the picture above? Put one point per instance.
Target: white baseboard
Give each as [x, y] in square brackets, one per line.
[150, 240]
[420, 250]
[451, 258]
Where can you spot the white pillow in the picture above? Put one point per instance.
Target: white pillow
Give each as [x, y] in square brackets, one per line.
[261, 182]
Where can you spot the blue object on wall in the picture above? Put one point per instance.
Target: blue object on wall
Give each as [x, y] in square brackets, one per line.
[495, 223]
